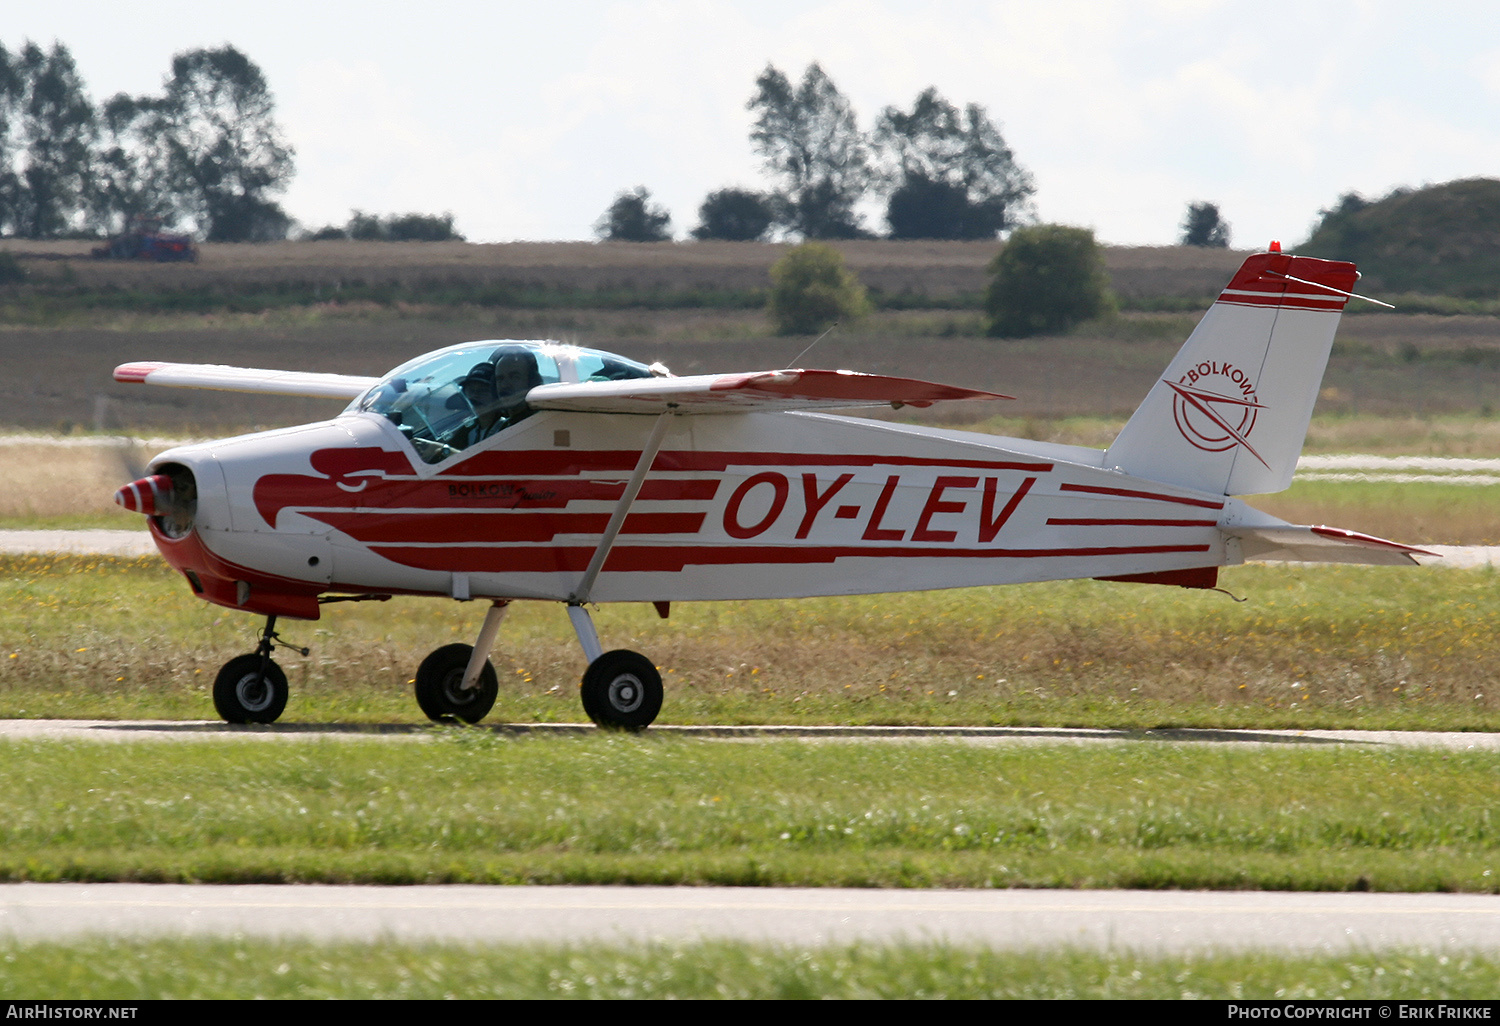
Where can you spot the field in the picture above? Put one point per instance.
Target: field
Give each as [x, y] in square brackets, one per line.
[1313, 647]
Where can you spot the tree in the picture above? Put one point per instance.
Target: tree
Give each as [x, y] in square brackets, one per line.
[808, 139]
[1046, 279]
[631, 218]
[132, 166]
[1203, 227]
[812, 289]
[736, 215]
[951, 175]
[225, 150]
[52, 128]
[393, 228]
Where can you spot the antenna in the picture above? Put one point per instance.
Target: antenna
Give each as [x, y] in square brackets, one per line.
[1330, 288]
[814, 342]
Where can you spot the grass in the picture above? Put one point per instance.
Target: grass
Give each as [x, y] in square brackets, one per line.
[468, 806]
[122, 970]
[63, 482]
[1355, 647]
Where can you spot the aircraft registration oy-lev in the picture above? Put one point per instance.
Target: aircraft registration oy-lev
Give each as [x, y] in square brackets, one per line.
[505, 470]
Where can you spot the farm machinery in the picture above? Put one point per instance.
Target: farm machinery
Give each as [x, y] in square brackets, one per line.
[143, 239]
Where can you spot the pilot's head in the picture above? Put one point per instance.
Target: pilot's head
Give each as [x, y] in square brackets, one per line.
[515, 373]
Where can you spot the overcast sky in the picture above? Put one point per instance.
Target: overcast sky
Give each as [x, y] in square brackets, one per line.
[524, 120]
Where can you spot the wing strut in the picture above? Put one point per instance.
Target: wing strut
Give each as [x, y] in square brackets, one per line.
[622, 508]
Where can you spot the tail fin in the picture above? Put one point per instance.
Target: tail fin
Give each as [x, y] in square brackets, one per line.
[1231, 412]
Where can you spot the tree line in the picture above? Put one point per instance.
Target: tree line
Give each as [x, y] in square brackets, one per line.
[944, 173]
[941, 171]
[205, 149]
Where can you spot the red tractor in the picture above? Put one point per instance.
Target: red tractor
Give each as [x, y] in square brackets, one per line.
[143, 239]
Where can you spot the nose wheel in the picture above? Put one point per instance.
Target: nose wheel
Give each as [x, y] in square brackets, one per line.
[251, 688]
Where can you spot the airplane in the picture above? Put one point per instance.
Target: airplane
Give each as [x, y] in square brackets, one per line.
[504, 470]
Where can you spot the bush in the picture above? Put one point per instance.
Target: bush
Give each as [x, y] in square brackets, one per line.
[736, 215]
[811, 289]
[396, 228]
[1047, 279]
[632, 218]
[11, 271]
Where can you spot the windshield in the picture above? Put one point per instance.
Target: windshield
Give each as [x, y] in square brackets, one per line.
[447, 401]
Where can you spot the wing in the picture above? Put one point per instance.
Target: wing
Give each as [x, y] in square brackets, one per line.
[244, 379]
[742, 393]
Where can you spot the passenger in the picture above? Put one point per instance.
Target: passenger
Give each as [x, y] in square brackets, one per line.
[496, 389]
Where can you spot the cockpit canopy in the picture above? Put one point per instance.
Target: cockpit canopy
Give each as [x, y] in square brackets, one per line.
[446, 401]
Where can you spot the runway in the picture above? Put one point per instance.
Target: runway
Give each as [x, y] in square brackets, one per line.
[217, 730]
[1143, 921]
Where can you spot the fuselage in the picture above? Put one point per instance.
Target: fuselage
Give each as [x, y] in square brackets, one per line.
[734, 506]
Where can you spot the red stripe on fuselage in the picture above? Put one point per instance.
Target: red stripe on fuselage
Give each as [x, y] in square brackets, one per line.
[386, 526]
[1131, 493]
[672, 559]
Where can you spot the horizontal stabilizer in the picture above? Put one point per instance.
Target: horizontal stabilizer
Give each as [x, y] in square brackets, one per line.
[244, 379]
[763, 391]
[1302, 544]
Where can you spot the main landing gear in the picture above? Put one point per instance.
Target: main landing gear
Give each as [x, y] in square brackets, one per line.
[621, 690]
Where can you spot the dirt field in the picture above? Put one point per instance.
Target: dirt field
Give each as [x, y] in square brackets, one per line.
[926, 268]
[58, 378]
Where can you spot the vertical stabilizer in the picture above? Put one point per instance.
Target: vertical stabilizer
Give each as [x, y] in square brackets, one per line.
[1231, 412]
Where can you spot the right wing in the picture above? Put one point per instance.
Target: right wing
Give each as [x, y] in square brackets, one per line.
[245, 379]
[742, 393]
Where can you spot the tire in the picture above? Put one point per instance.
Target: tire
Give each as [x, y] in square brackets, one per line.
[440, 686]
[242, 694]
[622, 691]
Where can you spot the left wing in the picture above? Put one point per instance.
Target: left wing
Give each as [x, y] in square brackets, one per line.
[245, 379]
[741, 393]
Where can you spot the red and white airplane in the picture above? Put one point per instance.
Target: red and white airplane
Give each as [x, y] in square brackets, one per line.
[504, 470]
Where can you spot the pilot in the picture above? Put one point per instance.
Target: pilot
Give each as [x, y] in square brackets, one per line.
[515, 374]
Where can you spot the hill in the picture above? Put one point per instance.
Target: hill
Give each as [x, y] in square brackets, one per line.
[1443, 239]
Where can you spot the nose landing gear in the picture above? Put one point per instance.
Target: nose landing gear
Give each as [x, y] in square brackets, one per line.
[251, 688]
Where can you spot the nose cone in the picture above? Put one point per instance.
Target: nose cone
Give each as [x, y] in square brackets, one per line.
[151, 496]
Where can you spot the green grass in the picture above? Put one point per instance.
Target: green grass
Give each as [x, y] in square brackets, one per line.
[1354, 647]
[123, 970]
[468, 806]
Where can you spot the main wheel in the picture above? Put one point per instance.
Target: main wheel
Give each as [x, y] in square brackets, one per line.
[440, 690]
[245, 694]
[622, 689]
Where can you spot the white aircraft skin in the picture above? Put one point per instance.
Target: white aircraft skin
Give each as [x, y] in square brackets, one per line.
[715, 487]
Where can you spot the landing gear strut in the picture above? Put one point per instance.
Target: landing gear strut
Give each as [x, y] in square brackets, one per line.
[621, 689]
[251, 688]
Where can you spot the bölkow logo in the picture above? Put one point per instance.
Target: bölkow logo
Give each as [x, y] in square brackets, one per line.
[1215, 406]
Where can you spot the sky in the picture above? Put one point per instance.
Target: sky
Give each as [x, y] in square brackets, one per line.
[525, 120]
